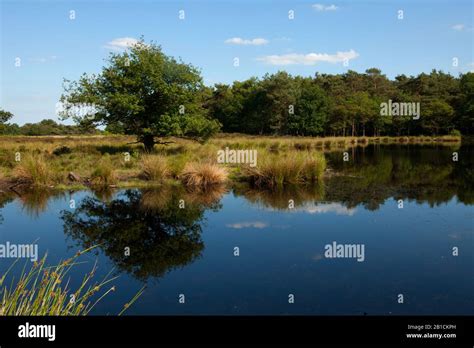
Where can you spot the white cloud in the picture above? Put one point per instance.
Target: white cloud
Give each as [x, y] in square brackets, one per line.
[42, 59]
[308, 59]
[320, 208]
[253, 42]
[462, 27]
[324, 208]
[459, 27]
[321, 7]
[121, 43]
[254, 224]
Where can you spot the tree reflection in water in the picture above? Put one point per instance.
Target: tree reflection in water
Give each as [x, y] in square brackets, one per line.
[161, 235]
[414, 172]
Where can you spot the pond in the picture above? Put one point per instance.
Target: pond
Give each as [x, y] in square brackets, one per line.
[402, 216]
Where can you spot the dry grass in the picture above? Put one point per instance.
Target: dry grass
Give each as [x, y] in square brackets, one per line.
[286, 169]
[201, 175]
[34, 170]
[103, 174]
[154, 167]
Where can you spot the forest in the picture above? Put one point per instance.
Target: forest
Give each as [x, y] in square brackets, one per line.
[346, 104]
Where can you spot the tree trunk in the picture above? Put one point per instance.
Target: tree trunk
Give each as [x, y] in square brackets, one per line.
[353, 127]
[149, 142]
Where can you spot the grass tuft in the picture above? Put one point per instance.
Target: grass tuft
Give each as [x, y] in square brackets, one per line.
[43, 290]
[103, 174]
[203, 174]
[154, 168]
[33, 170]
[288, 169]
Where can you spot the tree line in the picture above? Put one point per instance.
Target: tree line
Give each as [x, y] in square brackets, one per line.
[144, 92]
[344, 104]
[44, 127]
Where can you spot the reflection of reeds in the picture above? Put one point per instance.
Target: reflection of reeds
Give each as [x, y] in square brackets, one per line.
[35, 202]
[280, 198]
[103, 193]
[160, 198]
[156, 199]
[206, 196]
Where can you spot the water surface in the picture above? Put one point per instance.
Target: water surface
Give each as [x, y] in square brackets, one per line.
[191, 251]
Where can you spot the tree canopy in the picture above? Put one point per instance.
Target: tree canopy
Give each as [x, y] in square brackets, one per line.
[5, 116]
[143, 92]
[344, 104]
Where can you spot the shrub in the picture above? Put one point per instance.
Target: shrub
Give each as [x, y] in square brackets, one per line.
[154, 167]
[62, 150]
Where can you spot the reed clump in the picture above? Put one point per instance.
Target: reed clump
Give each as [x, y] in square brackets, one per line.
[286, 169]
[33, 169]
[154, 167]
[196, 174]
[44, 290]
[104, 173]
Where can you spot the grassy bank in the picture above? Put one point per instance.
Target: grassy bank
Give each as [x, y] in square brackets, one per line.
[104, 161]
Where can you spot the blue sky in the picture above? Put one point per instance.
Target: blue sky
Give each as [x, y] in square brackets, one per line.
[326, 37]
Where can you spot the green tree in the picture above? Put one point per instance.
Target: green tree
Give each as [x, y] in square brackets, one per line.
[226, 106]
[436, 115]
[150, 94]
[5, 128]
[465, 110]
[311, 109]
[359, 108]
[279, 95]
[5, 116]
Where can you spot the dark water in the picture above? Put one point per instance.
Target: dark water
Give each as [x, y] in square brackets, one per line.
[190, 251]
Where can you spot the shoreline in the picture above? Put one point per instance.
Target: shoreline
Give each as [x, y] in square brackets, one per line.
[72, 162]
